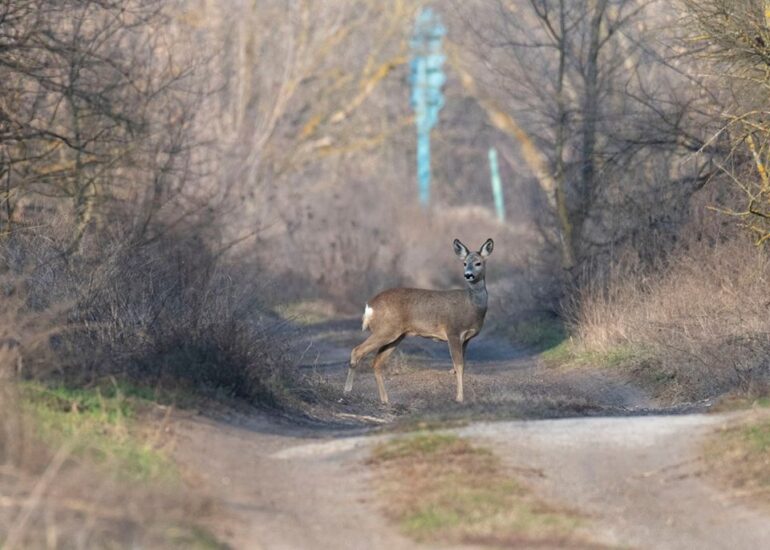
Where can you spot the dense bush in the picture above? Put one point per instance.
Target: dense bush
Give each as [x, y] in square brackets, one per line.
[167, 312]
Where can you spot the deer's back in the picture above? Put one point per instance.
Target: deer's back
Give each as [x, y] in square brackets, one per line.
[428, 313]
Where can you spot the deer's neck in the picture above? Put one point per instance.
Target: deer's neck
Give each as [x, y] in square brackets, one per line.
[477, 292]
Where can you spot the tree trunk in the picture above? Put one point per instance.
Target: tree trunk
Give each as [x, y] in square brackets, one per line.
[590, 114]
[562, 212]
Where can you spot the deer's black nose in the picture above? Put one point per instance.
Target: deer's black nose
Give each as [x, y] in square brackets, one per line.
[469, 276]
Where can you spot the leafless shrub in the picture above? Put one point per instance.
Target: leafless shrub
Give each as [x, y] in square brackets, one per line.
[94, 117]
[610, 128]
[170, 312]
[351, 268]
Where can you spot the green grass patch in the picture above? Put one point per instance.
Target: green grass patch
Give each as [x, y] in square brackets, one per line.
[441, 488]
[548, 336]
[612, 357]
[567, 353]
[763, 402]
[757, 437]
[561, 353]
[102, 425]
[538, 333]
[421, 446]
[427, 422]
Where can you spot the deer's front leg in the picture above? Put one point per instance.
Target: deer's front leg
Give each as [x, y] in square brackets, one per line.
[458, 360]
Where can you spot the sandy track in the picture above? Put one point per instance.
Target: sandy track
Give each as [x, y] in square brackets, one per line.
[637, 478]
[265, 500]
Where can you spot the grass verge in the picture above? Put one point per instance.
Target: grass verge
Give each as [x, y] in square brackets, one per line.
[441, 488]
[740, 402]
[102, 423]
[89, 467]
[548, 336]
[739, 457]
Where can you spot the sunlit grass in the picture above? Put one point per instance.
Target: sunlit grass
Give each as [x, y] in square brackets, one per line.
[548, 337]
[560, 353]
[757, 437]
[420, 446]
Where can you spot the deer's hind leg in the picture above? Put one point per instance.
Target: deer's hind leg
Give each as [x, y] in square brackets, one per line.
[382, 356]
[374, 342]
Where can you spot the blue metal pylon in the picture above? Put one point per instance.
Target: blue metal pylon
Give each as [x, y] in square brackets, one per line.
[497, 187]
[427, 78]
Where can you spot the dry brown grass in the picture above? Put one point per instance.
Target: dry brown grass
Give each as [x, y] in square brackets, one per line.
[698, 324]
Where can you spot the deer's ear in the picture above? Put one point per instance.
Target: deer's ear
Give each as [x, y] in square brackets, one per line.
[460, 249]
[486, 248]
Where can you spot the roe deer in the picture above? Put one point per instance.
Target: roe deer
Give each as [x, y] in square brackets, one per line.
[453, 316]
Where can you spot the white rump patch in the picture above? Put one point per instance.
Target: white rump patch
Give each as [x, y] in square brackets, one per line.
[368, 312]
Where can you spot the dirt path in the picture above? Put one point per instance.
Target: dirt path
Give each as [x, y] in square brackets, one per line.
[638, 479]
[278, 485]
[266, 500]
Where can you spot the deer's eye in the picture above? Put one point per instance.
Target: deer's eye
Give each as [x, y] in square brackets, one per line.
[478, 264]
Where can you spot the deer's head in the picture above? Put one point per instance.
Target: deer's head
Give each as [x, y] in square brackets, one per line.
[474, 262]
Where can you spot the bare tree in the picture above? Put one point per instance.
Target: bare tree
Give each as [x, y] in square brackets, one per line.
[735, 37]
[590, 95]
[94, 111]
